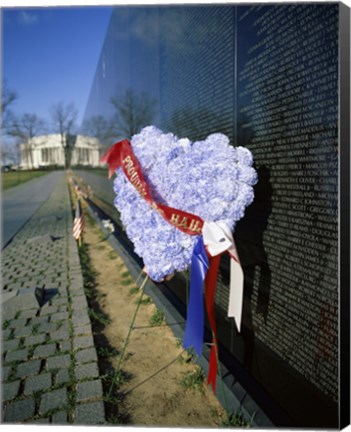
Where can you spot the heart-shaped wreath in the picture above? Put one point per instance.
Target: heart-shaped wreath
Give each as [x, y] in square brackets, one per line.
[209, 178]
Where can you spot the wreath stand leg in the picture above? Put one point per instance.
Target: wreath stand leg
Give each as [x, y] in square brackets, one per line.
[121, 357]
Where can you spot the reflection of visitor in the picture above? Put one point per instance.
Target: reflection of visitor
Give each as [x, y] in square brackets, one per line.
[249, 240]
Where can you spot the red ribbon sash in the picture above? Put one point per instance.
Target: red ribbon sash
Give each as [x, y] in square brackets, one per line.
[210, 283]
[121, 155]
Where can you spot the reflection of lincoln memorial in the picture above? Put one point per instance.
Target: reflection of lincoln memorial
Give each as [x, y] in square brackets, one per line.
[47, 150]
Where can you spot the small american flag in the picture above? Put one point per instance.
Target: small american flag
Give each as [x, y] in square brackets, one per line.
[78, 223]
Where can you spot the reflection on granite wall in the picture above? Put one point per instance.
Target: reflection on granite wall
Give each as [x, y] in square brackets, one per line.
[267, 76]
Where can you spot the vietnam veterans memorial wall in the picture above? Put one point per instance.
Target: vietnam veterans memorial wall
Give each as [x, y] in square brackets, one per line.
[266, 76]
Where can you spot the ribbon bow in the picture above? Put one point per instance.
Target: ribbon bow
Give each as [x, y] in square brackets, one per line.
[216, 239]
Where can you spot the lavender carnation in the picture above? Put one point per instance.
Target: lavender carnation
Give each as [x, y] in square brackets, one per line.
[208, 178]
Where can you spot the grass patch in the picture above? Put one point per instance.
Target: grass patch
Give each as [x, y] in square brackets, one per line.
[99, 317]
[236, 419]
[35, 329]
[12, 374]
[133, 290]
[107, 352]
[144, 301]
[101, 235]
[5, 324]
[112, 255]
[125, 282]
[59, 324]
[119, 378]
[186, 357]
[157, 318]
[193, 380]
[14, 178]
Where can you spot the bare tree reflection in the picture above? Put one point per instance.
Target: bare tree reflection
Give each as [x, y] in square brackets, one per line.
[133, 111]
[102, 129]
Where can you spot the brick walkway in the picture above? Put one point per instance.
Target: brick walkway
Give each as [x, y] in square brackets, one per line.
[49, 363]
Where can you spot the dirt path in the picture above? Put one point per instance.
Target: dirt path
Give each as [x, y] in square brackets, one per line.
[177, 395]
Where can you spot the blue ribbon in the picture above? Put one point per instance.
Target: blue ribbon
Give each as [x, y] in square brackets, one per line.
[194, 330]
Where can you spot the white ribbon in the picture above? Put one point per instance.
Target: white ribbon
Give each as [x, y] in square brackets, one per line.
[218, 239]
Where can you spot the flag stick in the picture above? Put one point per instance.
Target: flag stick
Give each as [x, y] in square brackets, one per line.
[139, 275]
[121, 357]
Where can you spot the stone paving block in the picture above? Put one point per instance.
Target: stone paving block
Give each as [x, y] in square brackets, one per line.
[59, 418]
[47, 327]
[58, 362]
[44, 350]
[19, 411]
[40, 239]
[60, 301]
[65, 345]
[18, 355]
[62, 325]
[7, 295]
[28, 313]
[5, 373]
[76, 290]
[28, 368]
[48, 310]
[62, 376]
[83, 341]
[6, 334]
[23, 332]
[87, 370]
[89, 390]
[38, 320]
[82, 330]
[90, 413]
[80, 318]
[61, 334]
[76, 276]
[34, 340]
[75, 263]
[37, 383]
[79, 302]
[53, 400]
[9, 345]
[10, 390]
[86, 355]
[18, 323]
[59, 316]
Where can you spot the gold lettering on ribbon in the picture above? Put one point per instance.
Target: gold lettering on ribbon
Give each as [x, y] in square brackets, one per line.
[193, 225]
[175, 219]
[184, 222]
[128, 162]
[134, 176]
